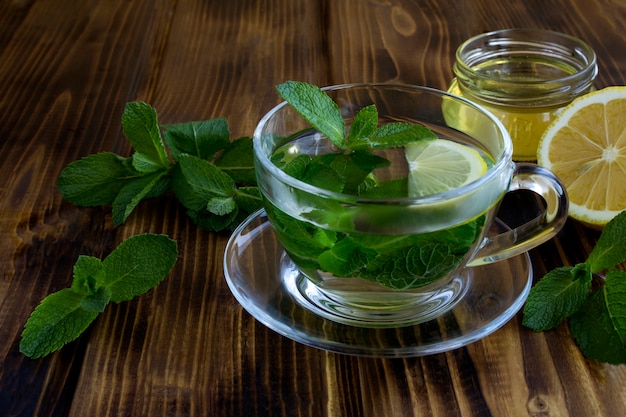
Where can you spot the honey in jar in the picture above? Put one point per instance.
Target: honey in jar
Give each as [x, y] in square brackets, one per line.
[524, 77]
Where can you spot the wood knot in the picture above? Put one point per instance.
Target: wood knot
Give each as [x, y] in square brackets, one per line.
[538, 407]
[402, 21]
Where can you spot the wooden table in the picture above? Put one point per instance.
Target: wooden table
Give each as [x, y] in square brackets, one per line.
[67, 69]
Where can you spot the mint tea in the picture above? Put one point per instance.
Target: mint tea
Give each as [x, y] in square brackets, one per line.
[380, 198]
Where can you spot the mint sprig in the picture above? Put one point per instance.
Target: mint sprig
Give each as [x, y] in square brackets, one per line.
[138, 264]
[351, 170]
[220, 201]
[324, 115]
[597, 316]
[140, 126]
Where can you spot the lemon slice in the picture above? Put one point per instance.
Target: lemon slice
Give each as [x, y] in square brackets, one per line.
[585, 146]
[440, 165]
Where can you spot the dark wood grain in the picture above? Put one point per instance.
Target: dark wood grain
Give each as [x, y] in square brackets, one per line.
[187, 348]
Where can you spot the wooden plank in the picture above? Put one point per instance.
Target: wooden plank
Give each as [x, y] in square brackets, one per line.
[67, 69]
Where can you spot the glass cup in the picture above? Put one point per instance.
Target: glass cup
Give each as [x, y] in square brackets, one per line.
[369, 260]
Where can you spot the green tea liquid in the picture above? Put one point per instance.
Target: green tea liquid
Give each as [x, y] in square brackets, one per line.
[401, 247]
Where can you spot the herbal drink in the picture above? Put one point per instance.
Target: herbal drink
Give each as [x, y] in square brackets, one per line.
[376, 226]
[396, 247]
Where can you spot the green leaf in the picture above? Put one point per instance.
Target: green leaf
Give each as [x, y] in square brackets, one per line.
[302, 241]
[145, 164]
[139, 122]
[138, 264]
[135, 191]
[248, 199]
[88, 275]
[364, 124]
[58, 320]
[197, 182]
[221, 205]
[610, 250]
[211, 222]
[413, 266]
[394, 135]
[135, 266]
[346, 258]
[202, 139]
[353, 168]
[322, 176]
[97, 301]
[296, 167]
[94, 180]
[599, 328]
[317, 108]
[184, 192]
[558, 295]
[388, 189]
[237, 161]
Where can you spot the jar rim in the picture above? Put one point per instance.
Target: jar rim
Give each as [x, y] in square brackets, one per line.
[532, 46]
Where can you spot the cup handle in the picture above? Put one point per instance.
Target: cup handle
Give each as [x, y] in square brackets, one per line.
[541, 181]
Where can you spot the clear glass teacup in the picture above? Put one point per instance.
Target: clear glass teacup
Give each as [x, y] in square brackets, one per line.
[383, 257]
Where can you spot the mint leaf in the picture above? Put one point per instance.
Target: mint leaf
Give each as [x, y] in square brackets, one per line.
[145, 164]
[334, 172]
[610, 249]
[197, 182]
[317, 108]
[388, 189]
[346, 258]
[323, 176]
[89, 280]
[237, 160]
[393, 135]
[221, 205]
[139, 122]
[97, 301]
[413, 266]
[248, 199]
[213, 201]
[364, 124]
[296, 167]
[213, 222]
[599, 328]
[135, 266]
[150, 185]
[558, 295]
[202, 139]
[302, 241]
[94, 180]
[88, 275]
[59, 319]
[352, 168]
[597, 319]
[138, 264]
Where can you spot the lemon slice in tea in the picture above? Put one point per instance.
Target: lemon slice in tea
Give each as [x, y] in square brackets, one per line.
[585, 146]
[440, 165]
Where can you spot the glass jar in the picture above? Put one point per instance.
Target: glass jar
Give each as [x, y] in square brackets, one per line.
[524, 77]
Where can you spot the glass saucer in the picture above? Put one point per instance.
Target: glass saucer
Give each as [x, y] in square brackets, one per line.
[252, 263]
